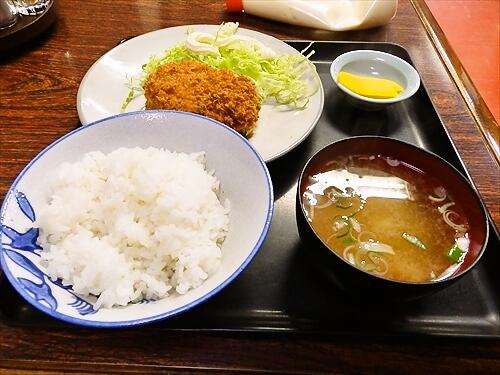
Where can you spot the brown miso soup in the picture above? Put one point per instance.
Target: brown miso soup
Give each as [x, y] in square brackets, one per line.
[387, 218]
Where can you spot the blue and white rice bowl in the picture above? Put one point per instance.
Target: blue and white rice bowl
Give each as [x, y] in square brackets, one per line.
[244, 180]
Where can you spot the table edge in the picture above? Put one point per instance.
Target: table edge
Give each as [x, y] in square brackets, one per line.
[477, 107]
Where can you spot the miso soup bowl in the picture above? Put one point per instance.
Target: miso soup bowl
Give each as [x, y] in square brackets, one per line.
[352, 279]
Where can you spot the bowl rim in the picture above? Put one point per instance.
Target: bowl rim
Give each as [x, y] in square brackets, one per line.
[171, 313]
[412, 75]
[445, 164]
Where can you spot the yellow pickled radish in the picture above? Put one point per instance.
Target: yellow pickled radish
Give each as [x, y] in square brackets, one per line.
[371, 87]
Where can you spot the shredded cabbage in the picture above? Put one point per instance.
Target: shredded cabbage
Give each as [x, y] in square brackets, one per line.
[279, 77]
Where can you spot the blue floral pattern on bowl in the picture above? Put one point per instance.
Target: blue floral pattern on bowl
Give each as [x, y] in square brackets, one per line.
[23, 243]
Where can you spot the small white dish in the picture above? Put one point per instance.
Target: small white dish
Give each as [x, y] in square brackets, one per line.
[376, 64]
[244, 180]
[104, 88]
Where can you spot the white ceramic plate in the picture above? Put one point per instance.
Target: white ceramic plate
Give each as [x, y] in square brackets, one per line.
[104, 88]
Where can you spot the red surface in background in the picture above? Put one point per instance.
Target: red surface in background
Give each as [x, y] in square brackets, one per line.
[473, 29]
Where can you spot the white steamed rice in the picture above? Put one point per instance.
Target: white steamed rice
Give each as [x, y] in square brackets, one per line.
[133, 224]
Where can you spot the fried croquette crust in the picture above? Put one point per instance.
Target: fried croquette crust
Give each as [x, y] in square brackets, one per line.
[196, 87]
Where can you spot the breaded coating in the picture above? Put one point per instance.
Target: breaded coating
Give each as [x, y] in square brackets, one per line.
[196, 87]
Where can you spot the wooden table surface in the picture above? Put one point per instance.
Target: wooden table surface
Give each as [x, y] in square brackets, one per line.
[38, 86]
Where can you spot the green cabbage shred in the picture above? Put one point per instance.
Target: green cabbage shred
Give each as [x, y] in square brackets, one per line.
[280, 78]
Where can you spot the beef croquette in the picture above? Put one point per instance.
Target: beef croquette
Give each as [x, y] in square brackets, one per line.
[196, 87]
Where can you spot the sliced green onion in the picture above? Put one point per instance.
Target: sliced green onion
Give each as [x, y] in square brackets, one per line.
[447, 217]
[365, 236]
[455, 253]
[376, 247]
[445, 206]
[343, 202]
[363, 261]
[440, 194]
[332, 192]
[355, 224]
[414, 240]
[348, 255]
[341, 226]
[380, 263]
[348, 240]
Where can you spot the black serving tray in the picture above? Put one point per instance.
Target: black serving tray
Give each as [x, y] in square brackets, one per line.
[281, 291]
